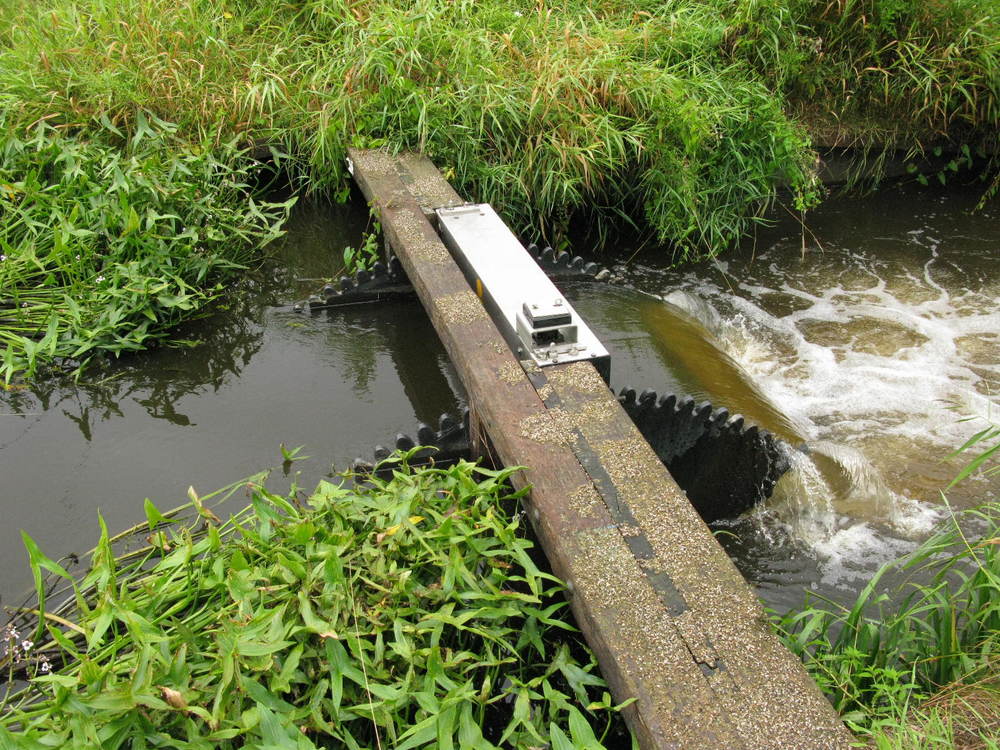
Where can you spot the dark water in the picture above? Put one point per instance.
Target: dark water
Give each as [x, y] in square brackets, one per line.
[338, 383]
[867, 344]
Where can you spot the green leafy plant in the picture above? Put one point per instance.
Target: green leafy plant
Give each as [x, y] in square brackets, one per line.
[406, 613]
[580, 113]
[985, 444]
[293, 454]
[366, 255]
[909, 75]
[929, 643]
[104, 250]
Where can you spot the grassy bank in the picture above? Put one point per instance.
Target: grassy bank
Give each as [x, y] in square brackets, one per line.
[904, 73]
[683, 119]
[916, 665]
[673, 114]
[408, 613]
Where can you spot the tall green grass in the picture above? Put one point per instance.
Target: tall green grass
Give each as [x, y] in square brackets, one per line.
[684, 119]
[612, 111]
[916, 70]
[403, 613]
[939, 628]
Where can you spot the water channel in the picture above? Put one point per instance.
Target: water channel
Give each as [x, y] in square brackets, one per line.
[865, 345]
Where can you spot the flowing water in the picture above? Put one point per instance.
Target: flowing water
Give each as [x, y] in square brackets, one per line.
[874, 346]
[863, 349]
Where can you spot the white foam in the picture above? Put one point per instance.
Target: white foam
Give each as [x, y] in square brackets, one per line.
[849, 556]
[834, 484]
[905, 392]
[915, 519]
[879, 357]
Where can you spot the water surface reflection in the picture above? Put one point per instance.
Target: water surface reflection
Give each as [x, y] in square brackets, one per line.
[260, 375]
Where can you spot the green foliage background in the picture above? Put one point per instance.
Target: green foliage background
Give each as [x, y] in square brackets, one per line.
[103, 249]
[682, 118]
[676, 114]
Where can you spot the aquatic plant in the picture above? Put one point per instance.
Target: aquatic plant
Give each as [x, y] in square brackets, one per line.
[104, 247]
[366, 255]
[402, 613]
[905, 645]
[612, 112]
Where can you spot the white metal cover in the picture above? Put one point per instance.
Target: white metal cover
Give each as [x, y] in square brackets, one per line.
[507, 279]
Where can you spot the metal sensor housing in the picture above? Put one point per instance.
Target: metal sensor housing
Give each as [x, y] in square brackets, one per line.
[538, 323]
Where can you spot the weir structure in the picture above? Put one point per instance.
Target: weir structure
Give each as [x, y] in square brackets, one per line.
[674, 625]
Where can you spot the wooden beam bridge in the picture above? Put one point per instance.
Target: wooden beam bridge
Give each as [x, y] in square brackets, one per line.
[672, 621]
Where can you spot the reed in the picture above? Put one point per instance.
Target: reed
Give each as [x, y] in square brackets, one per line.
[923, 70]
[938, 629]
[403, 613]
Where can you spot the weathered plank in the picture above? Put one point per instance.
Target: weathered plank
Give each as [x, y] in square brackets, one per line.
[760, 685]
[672, 622]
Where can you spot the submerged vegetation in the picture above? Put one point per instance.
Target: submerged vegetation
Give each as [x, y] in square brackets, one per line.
[404, 613]
[683, 119]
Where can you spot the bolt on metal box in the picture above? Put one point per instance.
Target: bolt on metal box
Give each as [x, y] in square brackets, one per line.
[538, 323]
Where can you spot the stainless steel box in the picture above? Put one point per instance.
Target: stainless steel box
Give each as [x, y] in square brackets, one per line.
[537, 321]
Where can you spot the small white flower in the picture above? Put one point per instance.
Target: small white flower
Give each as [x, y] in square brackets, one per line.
[2, 258]
[26, 645]
[518, 13]
[100, 279]
[24, 304]
[45, 667]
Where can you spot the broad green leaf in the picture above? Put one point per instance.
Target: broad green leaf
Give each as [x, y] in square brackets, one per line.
[153, 516]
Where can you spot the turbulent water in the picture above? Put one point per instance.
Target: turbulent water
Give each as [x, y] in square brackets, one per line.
[873, 345]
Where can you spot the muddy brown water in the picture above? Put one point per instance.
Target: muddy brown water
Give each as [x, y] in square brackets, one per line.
[867, 345]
